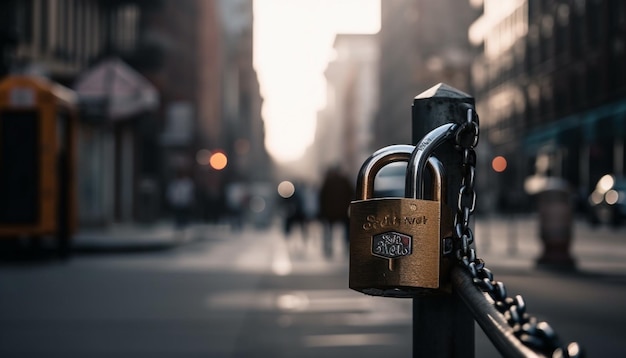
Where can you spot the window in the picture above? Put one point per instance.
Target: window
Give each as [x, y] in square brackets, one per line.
[24, 20]
[43, 25]
[594, 24]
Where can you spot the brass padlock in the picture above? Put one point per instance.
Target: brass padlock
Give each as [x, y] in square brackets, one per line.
[396, 243]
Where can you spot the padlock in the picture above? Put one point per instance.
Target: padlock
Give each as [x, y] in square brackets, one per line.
[396, 245]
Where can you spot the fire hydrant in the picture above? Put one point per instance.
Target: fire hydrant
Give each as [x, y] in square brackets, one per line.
[554, 202]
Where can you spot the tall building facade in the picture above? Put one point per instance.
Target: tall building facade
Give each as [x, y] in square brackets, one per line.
[343, 136]
[200, 58]
[196, 54]
[550, 86]
[63, 40]
[179, 35]
[243, 131]
[60, 38]
[423, 43]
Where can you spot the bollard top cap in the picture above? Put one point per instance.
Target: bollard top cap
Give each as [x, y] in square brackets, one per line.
[442, 90]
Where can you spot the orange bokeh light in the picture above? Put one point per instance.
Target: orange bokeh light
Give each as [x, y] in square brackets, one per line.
[218, 161]
[499, 164]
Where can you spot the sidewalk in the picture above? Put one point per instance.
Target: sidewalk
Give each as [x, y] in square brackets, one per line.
[514, 243]
[128, 237]
[505, 243]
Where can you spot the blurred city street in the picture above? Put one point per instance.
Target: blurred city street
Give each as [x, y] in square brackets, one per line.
[158, 158]
[148, 292]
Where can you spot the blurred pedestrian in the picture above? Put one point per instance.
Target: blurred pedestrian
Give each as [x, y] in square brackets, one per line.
[180, 193]
[334, 199]
[295, 211]
[213, 205]
[237, 198]
[311, 203]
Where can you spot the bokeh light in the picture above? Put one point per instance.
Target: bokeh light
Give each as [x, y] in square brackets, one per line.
[499, 164]
[218, 161]
[286, 189]
[605, 183]
[596, 197]
[611, 197]
[257, 204]
[203, 157]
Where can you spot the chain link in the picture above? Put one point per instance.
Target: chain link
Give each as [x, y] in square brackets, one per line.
[536, 335]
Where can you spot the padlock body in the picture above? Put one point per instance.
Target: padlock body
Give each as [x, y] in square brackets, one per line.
[395, 246]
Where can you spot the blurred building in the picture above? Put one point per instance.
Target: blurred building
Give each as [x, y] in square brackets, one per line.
[550, 87]
[63, 40]
[423, 43]
[60, 38]
[243, 133]
[345, 126]
[193, 56]
[182, 44]
[240, 132]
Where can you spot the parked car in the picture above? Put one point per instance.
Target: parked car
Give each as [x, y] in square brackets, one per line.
[607, 203]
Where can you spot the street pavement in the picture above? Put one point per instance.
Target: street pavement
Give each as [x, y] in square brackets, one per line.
[508, 242]
[148, 291]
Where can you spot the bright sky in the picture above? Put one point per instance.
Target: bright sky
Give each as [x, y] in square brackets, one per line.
[293, 42]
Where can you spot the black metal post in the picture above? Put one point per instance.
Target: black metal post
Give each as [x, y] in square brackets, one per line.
[442, 325]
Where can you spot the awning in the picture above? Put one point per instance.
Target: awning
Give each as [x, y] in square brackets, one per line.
[598, 123]
[113, 90]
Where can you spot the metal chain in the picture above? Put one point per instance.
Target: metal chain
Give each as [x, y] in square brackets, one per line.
[536, 335]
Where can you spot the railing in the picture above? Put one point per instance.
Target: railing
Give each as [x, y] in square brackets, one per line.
[534, 340]
[445, 126]
[443, 326]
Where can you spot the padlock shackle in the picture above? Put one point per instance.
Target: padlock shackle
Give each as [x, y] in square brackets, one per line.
[414, 187]
[392, 154]
[438, 175]
[371, 166]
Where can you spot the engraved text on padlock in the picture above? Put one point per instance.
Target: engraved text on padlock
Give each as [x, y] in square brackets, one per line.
[395, 243]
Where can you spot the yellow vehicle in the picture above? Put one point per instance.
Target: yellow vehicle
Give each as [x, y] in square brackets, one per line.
[38, 121]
